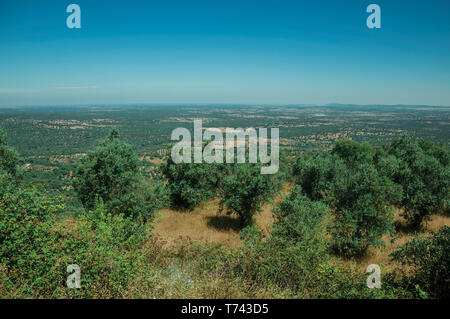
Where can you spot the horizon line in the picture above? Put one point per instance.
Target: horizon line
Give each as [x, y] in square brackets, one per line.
[213, 103]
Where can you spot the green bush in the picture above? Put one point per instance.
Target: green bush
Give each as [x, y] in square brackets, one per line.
[428, 259]
[424, 174]
[107, 248]
[291, 256]
[36, 250]
[361, 209]
[337, 281]
[245, 190]
[189, 184]
[353, 153]
[8, 157]
[27, 238]
[111, 173]
[316, 173]
[354, 180]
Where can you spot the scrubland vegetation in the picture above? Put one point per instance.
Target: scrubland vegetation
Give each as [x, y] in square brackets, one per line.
[338, 205]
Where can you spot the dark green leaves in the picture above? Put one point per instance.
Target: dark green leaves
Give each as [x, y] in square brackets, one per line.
[111, 173]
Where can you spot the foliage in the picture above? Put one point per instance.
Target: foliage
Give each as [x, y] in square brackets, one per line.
[297, 245]
[337, 281]
[361, 209]
[295, 256]
[354, 180]
[191, 183]
[36, 250]
[424, 174]
[111, 173]
[8, 157]
[245, 190]
[315, 173]
[353, 153]
[241, 187]
[107, 248]
[429, 259]
[27, 239]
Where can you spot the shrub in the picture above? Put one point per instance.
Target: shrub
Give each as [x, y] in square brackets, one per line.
[361, 208]
[424, 175]
[291, 256]
[107, 248]
[245, 190]
[337, 281]
[354, 180]
[353, 153]
[428, 259]
[111, 173]
[8, 157]
[316, 174]
[36, 250]
[27, 238]
[191, 183]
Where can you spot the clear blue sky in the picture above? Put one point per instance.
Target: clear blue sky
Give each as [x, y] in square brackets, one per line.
[225, 51]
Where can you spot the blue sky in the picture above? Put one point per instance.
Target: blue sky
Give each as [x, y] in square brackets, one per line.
[221, 51]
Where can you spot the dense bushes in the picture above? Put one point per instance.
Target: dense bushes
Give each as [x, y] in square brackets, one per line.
[295, 257]
[361, 208]
[189, 184]
[362, 184]
[357, 188]
[245, 190]
[291, 256]
[111, 173]
[27, 238]
[316, 172]
[424, 175]
[8, 157]
[36, 250]
[428, 259]
[27, 220]
[107, 247]
[241, 187]
[353, 153]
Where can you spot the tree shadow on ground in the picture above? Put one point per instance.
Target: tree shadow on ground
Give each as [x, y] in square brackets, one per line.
[224, 222]
[404, 228]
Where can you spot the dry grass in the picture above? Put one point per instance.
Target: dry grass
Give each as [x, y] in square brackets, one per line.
[206, 224]
[149, 159]
[201, 224]
[437, 222]
[265, 219]
[380, 256]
